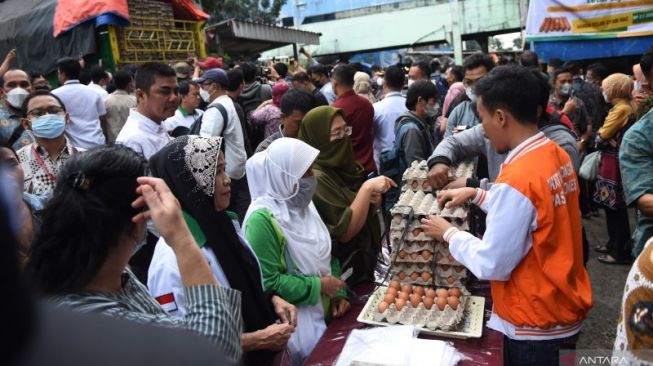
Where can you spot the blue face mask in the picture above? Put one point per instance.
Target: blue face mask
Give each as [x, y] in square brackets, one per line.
[49, 126]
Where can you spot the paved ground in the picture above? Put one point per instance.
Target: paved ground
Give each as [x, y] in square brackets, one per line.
[607, 285]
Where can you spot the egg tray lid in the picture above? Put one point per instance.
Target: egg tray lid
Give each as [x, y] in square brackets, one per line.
[469, 324]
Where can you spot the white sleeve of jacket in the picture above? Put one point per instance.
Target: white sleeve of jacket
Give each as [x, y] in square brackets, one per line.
[211, 123]
[511, 217]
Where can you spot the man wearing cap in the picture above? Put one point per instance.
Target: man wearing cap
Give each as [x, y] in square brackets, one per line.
[215, 83]
[183, 71]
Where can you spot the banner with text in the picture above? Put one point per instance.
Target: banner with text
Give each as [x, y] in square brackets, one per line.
[557, 20]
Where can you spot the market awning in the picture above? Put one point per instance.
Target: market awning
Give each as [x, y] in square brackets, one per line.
[244, 37]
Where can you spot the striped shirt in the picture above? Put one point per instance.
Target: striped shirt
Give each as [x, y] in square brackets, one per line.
[211, 311]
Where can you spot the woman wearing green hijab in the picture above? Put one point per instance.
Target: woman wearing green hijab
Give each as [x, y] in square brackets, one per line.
[346, 201]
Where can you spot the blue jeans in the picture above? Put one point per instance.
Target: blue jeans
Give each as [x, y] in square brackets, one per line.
[535, 353]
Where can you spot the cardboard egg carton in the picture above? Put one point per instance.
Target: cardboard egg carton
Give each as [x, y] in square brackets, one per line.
[433, 318]
[414, 178]
[413, 273]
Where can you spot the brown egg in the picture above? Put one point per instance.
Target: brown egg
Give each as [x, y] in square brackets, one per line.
[395, 285]
[415, 299]
[451, 258]
[428, 302]
[445, 244]
[419, 290]
[450, 280]
[400, 304]
[414, 256]
[444, 267]
[416, 231]
[442, 292]
[425, 185]
[402, 254]
[389, 298]
[407, 288]
[441, 302]
[415, 184]
[426, 254]
[414, 276]
[383, 306]
[438, 257]
[403, 296]
[401, 275]
[391, 291]
[421, 265]
[455, 291]
[431, 293]
[426, 276]
[459, 269]
[453, 302]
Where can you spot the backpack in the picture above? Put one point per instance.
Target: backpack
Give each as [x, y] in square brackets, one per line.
[393, 163]
[197, 124]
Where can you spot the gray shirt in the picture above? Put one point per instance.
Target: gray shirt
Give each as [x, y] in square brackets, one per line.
[472, 143]
[463, 115]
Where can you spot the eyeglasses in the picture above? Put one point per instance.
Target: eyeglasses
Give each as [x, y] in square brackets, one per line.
[38, 112]
[341, 133]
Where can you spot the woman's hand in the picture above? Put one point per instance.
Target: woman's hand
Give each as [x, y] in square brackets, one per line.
[455, 197]
[339, 307]
[380, 184]
[162, 208]
[274, 337]
[435, 226]
[376, 200]
[331, 285]
[286, 311]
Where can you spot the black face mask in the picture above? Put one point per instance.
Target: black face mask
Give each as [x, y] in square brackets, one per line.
[317, 84]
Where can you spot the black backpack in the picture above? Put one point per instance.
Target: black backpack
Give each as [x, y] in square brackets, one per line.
[197, 124]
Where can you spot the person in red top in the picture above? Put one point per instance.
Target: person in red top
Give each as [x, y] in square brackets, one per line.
[532, 248]
[359, 115]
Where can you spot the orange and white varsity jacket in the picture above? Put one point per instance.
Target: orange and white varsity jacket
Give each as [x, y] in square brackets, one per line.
[532, 249]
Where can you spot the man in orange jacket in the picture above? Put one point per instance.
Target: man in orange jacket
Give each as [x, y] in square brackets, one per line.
[532, 250]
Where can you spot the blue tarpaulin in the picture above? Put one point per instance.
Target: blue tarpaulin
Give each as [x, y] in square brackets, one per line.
[592, 48]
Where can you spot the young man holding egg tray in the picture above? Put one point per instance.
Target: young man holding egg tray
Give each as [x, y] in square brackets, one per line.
[531, 251]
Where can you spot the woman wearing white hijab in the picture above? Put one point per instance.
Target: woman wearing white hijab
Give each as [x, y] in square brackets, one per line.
[290, 240]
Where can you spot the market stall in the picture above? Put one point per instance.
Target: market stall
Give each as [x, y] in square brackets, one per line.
[425, 286]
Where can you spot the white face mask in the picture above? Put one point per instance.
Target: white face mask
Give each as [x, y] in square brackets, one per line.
[410, 82]
[565, 89]
[204, 95]
[379, 81]
[605, 97]
[16, 97]
[638, 86]
[470, 94]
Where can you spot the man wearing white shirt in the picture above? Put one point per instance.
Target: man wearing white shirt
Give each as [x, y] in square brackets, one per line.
[388, 110]
[157, 93]
[99, 81]
[215, 82]
[84, 105]
[187, 113]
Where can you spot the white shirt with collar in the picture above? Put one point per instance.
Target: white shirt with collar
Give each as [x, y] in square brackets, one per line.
[99, 89]
[142, 134]
[212, 123]
[327, 90]
[85, 106]
[386, 113]
[180, 119]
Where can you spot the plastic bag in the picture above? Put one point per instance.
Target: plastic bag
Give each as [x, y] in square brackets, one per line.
[589, 168]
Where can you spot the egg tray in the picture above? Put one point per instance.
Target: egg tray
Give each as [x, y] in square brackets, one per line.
[464, 322]
[408, 269]
[450, 276]
[416, 174]
[425, 204]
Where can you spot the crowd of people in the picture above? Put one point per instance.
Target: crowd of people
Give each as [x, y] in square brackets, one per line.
[229, 200]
